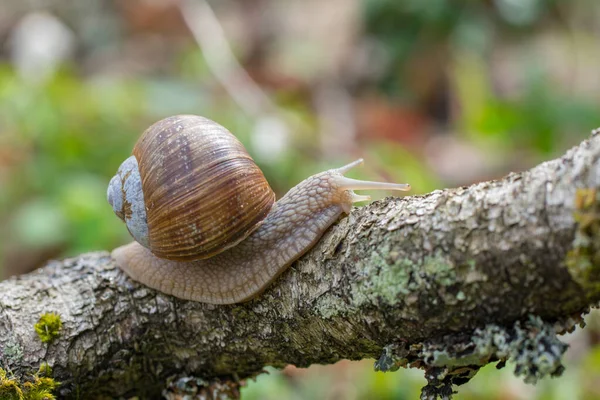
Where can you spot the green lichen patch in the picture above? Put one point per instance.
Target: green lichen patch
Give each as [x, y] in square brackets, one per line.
[389, 280]
[329, 305]
[12, 352]
[583, 260]
[441, 269]
[48, 327]
[39, 386]
[381, 280]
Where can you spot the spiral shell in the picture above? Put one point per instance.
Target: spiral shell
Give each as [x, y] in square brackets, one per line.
[202, 192]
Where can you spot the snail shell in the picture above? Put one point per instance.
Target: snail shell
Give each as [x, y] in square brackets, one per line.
[190, 190]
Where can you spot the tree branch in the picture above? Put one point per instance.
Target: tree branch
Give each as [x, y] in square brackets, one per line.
[447, 282]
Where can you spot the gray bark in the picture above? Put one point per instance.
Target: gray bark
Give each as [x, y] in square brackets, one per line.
[447, 282]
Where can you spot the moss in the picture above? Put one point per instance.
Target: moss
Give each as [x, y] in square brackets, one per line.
[583, 260]
[39, 387]
[365, 348]
[9, 387]
[45, 370]
[48, 327]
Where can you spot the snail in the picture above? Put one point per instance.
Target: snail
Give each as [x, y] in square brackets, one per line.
[205, 220]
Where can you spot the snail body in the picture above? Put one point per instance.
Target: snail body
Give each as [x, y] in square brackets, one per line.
[238, 261]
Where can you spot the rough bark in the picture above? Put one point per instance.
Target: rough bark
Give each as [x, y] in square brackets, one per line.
[448, 282]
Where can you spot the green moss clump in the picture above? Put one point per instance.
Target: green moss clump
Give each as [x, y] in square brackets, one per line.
[48, 327]
[40, 387]
[583, 260]
[9, 387]
[45, 370]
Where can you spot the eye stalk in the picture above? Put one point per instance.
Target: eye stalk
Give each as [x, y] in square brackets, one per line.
[350, 185]
[355, 184]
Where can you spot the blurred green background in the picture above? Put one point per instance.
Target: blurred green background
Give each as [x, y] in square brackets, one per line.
[437, 93]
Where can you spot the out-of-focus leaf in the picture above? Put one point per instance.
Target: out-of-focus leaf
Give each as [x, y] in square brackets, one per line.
[396, 164]
[39, 223]
[92, 221]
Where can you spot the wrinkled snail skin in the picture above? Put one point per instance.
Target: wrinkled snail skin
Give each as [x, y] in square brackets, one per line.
[293, 225]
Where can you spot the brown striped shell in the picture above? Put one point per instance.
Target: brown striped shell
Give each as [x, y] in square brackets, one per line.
[203, 193]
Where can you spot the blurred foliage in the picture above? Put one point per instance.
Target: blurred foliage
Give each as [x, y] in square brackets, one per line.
[460, 37]
[316, 383]
[62, 140]
[540, 119]
[409, 28]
